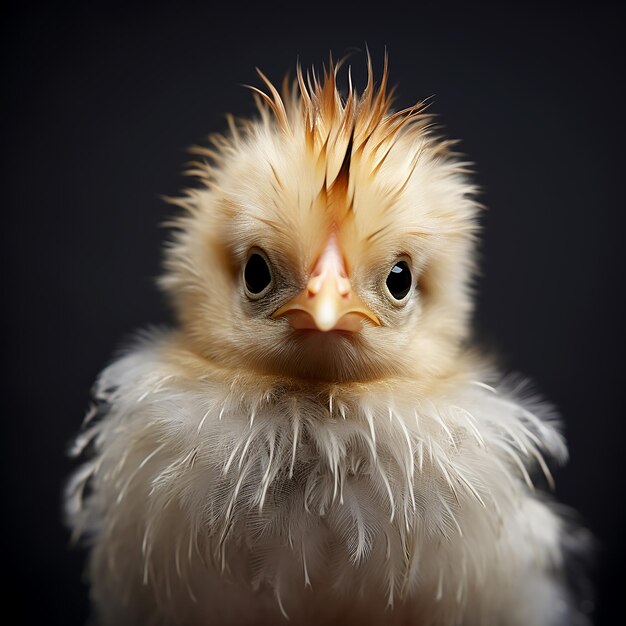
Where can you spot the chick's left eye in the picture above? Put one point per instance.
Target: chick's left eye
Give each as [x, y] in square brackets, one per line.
[399, 280]
[257, 275]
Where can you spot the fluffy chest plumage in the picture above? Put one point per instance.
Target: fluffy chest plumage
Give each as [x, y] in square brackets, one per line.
[359, 489]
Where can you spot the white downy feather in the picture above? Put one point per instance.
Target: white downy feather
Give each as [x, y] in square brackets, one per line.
[214, 500]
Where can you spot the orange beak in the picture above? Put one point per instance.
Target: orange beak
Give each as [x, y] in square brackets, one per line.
[328, 302]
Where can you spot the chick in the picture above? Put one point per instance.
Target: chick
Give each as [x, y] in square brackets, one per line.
[317, 440]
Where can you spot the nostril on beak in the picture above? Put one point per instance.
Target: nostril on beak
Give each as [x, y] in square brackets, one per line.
[343, 286]
[314, 285]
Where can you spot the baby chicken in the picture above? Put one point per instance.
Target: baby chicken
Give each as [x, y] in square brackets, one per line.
[316, 441]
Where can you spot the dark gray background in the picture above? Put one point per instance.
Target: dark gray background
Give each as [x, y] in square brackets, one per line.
[99, 105]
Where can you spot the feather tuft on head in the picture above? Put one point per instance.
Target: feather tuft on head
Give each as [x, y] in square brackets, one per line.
[340, 129]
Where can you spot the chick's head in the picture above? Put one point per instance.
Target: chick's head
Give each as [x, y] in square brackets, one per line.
[331, 239]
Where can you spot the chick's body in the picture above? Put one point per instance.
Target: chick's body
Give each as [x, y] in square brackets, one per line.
[316, 441]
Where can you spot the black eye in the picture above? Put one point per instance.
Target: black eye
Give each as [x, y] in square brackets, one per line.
[256, 275]
[399, 280]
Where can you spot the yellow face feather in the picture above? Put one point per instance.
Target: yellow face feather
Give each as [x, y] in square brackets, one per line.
[314, 168]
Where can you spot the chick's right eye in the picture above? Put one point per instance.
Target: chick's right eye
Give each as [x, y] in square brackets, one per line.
[399, 281]
[256, 275]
